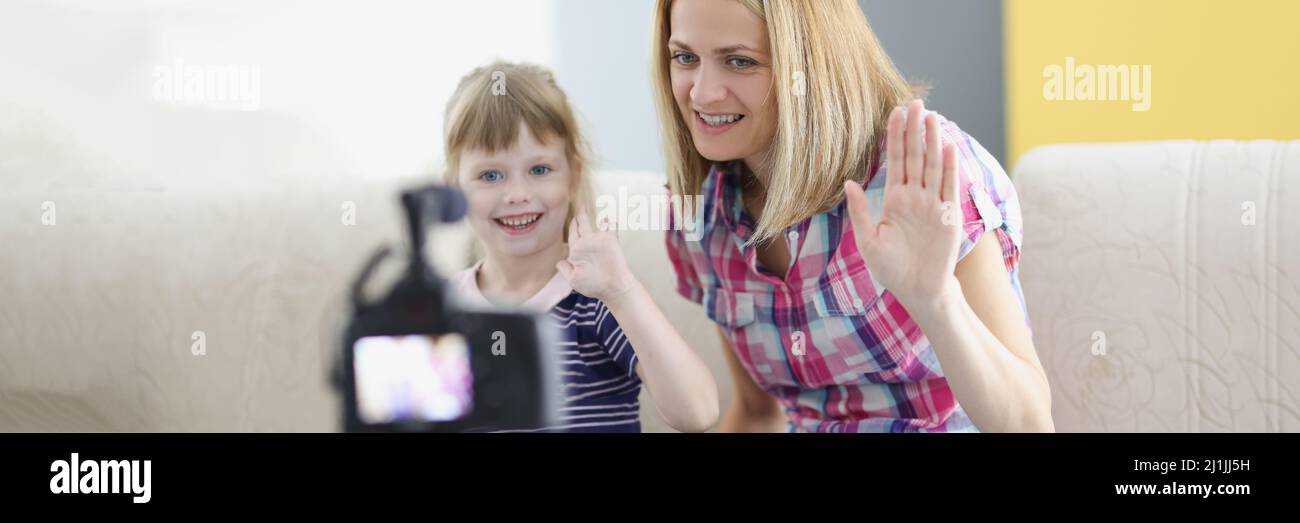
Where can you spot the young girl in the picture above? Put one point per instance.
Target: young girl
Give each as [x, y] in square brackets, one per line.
[514, 148]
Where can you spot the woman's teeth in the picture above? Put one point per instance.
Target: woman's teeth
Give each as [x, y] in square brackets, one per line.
[720, 119]
[520, 221]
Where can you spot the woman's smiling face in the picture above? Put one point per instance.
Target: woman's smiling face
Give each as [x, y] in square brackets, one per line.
[722, 78]
[518, 197]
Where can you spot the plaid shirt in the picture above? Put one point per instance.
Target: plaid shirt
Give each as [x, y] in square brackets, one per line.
[839, 352]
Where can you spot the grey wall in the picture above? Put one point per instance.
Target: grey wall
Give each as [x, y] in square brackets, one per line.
[956, 47]
[602, 57]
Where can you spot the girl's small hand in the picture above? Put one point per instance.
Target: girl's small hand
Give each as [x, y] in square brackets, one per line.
[595, 266]
[913, 249]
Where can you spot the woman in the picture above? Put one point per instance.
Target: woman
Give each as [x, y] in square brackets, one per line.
[839, 309]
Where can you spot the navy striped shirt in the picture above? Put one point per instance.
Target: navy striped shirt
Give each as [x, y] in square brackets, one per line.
[597, 364]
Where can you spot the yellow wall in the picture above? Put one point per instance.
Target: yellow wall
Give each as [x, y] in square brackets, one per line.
[1219, 69]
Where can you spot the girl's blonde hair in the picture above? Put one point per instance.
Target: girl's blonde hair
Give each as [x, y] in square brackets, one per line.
[491, 103]
[834, 87]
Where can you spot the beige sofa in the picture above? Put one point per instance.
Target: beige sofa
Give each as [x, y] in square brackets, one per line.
[1142, 244]
[1181, 257]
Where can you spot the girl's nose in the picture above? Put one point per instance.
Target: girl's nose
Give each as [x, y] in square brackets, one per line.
[517, 196]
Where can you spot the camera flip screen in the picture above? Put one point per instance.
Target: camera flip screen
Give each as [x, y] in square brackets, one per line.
[413, 378]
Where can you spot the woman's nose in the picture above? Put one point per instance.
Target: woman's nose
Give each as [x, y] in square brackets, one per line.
[708, 88]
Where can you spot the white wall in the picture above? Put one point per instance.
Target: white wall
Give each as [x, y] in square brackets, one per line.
[346, 88]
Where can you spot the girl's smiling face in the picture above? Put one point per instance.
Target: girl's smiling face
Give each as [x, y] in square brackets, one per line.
[721, 74]
[519, 196]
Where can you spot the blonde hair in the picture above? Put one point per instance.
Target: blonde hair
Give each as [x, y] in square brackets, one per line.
[834, 87]
[490, 104]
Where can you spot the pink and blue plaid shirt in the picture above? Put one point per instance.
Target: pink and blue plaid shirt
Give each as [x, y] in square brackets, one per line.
[839, 352]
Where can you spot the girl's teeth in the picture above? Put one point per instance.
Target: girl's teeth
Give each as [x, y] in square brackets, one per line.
[519, 222]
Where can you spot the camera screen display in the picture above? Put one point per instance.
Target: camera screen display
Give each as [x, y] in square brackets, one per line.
[413, 378]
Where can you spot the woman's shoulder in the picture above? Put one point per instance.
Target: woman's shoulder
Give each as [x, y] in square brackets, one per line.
[970, 152]
[976, 165]
[989, 201]
[987, 196]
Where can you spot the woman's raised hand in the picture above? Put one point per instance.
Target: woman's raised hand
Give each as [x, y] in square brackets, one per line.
[912, 250]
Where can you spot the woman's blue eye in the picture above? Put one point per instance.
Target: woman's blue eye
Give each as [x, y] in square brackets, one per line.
[684, 58]
[539, 170]
[741, 63]
[490, 176]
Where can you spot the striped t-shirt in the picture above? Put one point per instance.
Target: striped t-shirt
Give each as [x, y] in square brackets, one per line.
[597, 364]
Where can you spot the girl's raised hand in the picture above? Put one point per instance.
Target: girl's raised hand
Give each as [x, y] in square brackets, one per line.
[595, 266]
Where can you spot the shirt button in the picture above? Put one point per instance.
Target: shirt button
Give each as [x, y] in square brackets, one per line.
[794, 235]
[857, 303]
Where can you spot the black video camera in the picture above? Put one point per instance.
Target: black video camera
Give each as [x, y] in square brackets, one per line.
[414, 361]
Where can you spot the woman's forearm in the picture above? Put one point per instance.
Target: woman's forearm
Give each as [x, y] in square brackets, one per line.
[999, 391]
[681, 385]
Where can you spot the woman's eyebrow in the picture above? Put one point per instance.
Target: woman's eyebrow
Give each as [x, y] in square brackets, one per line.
[734, 48]
[721, 50]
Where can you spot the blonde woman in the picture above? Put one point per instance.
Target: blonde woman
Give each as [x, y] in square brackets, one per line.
[895, 308]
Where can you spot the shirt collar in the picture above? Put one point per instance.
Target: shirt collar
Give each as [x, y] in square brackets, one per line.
[551, 295]
[730, 202]
[730, 208]
[727, 186]
[724, 208]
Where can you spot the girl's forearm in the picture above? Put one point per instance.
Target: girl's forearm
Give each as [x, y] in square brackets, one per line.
[681, 385]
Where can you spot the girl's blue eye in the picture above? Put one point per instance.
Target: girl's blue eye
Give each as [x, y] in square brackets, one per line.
[490, 176]
[684, 58]
[539, 170]
[742, 63]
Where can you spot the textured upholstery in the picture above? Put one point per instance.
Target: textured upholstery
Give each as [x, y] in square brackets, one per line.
[1142, 244]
